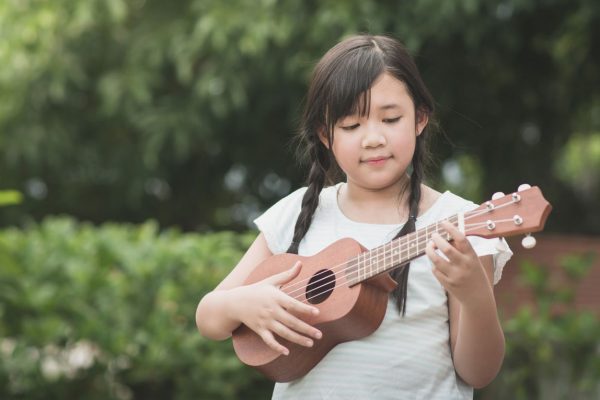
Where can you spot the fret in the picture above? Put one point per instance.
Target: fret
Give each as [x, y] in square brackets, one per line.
[385, 264]
[378, 263]
[397, 254]
[382, 260]
[405, 247]
[361, 267]
[371, 270]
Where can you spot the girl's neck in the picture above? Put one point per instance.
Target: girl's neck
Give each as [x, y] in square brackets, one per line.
[383, 206]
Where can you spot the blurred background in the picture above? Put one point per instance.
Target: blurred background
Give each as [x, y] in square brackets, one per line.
[139, 139]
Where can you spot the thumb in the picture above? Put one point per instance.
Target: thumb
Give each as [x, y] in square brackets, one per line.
[287, 275]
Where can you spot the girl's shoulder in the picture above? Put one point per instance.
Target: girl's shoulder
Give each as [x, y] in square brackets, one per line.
[293, 201]
[437, 205]
[278, 221]
[429, 197]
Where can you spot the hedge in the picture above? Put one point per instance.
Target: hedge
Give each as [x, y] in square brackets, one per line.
[107, 312]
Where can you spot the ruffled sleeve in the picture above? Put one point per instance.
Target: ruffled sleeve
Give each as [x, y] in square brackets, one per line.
[277, 223]
[498, 248]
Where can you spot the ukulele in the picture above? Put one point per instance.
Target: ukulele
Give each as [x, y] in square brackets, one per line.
[350, 285]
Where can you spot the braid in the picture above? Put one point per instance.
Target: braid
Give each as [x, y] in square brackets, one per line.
[400, 275]
[316, 180]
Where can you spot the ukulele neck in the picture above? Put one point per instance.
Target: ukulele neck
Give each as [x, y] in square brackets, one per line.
[398, 252]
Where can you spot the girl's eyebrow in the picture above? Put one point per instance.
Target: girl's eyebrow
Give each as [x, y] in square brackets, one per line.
[388, 106]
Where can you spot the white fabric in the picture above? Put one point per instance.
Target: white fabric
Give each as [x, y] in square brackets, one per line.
[406, 357]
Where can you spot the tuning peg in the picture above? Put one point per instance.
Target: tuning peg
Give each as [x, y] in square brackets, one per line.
[497, 195]
[528, 242]
[523, 186]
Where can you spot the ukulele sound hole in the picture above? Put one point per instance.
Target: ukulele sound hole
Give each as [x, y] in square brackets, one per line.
[320, 286]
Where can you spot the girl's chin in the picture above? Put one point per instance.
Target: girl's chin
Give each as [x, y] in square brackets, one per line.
[378, 183]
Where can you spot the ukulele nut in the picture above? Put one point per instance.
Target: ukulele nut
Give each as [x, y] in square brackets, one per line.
[490, 225]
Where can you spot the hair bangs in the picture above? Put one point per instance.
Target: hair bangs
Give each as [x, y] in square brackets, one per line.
[349, 91]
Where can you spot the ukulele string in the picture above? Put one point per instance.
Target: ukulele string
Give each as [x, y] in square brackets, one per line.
[468, 215]
[310, 293]
[404, 243]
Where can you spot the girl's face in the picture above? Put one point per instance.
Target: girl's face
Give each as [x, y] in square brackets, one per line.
[375, 150]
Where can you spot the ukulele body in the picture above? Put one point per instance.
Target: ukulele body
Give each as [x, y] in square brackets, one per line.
[345, 313]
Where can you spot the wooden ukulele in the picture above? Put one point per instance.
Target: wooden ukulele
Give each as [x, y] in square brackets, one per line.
[350, 284]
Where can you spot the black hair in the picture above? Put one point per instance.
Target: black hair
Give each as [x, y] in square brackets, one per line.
[340, 86]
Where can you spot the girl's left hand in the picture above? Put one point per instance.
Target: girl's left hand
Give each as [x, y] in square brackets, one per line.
[462, 274]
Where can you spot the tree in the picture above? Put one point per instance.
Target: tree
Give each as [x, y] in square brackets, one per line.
[184, 112]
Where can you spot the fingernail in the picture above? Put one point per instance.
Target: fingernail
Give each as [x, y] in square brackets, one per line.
[315, 311]
[318, 335]
[309, 343]
[286, 352]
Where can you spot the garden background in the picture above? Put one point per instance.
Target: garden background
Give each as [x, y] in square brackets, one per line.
[139, 138]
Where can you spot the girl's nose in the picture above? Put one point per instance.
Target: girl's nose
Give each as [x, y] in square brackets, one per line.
[373, 138]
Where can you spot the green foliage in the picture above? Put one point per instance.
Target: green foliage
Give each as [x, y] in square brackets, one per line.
[108, 313]
[579, 164]
[553, 351]
[183, 111]
[10, 197]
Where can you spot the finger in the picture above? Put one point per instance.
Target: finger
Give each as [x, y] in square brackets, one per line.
[446, 248]
[460, 241]
[290, 335]
[441, 277]
[298, 325]
[297, 307]
[439, 263]
[270, 341]
[287, 275]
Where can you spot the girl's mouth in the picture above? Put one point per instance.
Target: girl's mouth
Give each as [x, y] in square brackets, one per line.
[376, 160]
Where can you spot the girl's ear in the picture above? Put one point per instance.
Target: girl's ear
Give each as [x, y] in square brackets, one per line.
[422, 120]
[323, 137]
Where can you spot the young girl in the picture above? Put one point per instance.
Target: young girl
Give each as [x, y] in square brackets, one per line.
[366, 119]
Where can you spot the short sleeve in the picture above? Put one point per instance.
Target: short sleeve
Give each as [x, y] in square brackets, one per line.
[498, 248]
[277, 223]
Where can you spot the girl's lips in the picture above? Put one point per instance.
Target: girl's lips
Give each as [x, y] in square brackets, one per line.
[376, 160]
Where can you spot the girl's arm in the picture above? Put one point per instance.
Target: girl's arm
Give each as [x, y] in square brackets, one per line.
[261, 306]
[476, 337]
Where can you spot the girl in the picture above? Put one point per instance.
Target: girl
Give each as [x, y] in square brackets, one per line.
[366, 118]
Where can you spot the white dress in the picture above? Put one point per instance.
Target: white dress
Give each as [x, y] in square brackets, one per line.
[406, 357]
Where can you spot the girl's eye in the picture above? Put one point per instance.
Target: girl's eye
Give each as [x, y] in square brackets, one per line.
[391, 120]
[350, 127]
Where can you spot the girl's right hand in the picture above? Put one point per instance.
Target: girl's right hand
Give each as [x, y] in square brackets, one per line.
[267, 310]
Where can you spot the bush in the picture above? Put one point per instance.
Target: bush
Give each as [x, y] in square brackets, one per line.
[108, 313]
[553, 350]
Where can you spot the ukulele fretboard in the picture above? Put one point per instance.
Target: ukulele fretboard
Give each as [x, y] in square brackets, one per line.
[395, 253]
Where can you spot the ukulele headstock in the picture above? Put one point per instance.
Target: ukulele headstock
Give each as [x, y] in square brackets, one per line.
[523, 211]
